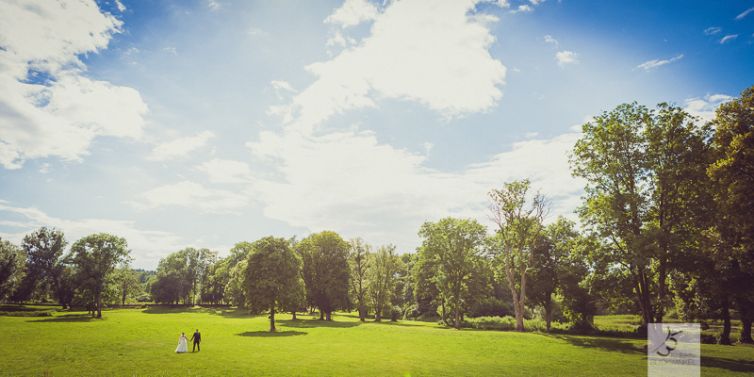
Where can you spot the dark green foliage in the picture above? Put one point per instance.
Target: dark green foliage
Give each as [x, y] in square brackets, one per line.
[273, 281]
[325, 271]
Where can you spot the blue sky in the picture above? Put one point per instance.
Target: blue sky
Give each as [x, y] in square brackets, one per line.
[206, 123]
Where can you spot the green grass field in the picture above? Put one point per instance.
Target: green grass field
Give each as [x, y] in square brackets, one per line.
[141, 342]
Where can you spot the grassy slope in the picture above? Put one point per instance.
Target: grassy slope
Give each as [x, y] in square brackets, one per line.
[141, 342]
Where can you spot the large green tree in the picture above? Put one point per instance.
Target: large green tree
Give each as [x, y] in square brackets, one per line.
[453, 246]
[12, 260]
[733, 174]
[273, 281]
[325, 271]
[519, 225]
[95, 258]
[359, 253]
[382, 277]
[44, 248]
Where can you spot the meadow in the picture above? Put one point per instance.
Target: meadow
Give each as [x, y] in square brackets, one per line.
[141, 342]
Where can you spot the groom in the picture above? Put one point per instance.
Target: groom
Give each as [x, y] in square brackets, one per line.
[197, 338]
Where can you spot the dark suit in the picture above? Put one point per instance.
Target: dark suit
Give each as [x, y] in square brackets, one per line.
[197, 338]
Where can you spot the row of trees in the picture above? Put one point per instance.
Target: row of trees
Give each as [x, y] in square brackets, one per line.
[666, 227]
[86, 276]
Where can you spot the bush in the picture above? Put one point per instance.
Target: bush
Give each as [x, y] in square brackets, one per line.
[46, 313]
[506, 323]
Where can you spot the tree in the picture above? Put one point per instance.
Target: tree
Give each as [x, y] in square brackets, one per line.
[95, 257]
[677, 158]
[218, 275]
[733, 174]
[543, 277]
[611, 157]
[272, 278]
[453, 246]
[127, 283]
[359, 262]
[11, 267]
[44, 248]
[425, 290]
[518, 228]
[382, 279]
[325, 272]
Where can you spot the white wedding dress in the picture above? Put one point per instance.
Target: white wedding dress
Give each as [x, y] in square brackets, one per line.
[182, 344]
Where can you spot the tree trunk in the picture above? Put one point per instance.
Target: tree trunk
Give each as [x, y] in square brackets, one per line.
[661, 282]
[321, 315]
[362, 313]
[328, 316]
[548, 314]
[293, 315]
[272, 318]
[725, 313]
[746, 312]
[98, 298]
[378, 314]
[520, 316]
[457, 317]
[746, 331]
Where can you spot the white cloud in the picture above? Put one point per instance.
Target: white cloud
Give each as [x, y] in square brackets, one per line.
[226, 171]
[429, 52]
[728, 38]
[47, 106]
[349, 182]
[352, 13]
[214, 5]
[505, 4]
[655, 63]
[566, 57]
[180, 147]
[120, 6]
[524, 8]
[705, 107]
[549, 39]
[147, 246]
[192, 195]
[744, 13]
[712, 30]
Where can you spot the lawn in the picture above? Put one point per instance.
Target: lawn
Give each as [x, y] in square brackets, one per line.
[140, 342]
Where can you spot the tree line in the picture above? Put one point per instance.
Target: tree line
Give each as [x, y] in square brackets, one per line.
[666, 229]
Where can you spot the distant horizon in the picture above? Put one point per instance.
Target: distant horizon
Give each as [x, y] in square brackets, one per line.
[206, 123]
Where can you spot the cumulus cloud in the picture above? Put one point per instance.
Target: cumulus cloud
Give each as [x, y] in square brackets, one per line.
[47, 105]
[147, 246]
[180, 147]
[226, 171]
[431, 52]
[655, 63]
[549, 39]
[192, 195]
[352, 13]
[705, 107]
[566, 57]
[350, 182]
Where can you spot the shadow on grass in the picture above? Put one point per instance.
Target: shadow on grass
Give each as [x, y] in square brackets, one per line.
[311, 323]
[67, 318]
[267, 334]
[619, 345]
[21, 308]
[731, 365]
[608, 344]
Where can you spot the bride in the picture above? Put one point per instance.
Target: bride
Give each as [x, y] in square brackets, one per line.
[182, 344]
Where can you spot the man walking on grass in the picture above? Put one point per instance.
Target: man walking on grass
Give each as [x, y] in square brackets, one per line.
[197, 338]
